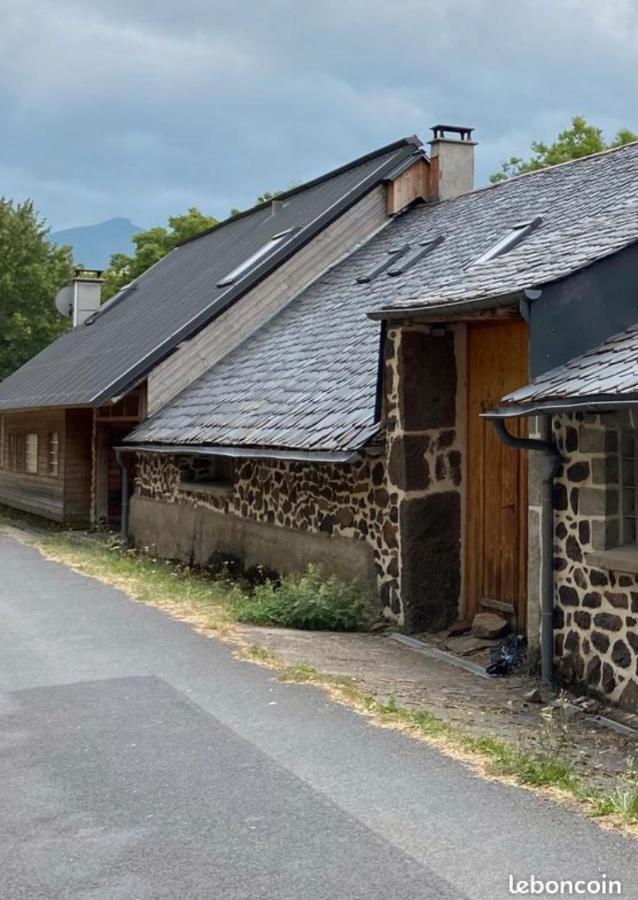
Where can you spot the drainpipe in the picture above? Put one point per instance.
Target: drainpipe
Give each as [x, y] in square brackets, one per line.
[553, 459]
[125, 496]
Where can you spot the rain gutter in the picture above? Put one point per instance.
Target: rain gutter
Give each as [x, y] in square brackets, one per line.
[553, 459]
[317, 456]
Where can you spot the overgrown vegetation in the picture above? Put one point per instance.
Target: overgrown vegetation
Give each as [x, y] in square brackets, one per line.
[309, 601]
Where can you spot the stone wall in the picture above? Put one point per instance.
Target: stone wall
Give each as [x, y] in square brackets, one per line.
[335, 500]
[425, 471]
[596, 602]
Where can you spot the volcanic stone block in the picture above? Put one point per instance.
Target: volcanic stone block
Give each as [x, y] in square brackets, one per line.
[629, 698]
[582, 619]
[568, 595]
[600, 641]
[427, 381]
[607, 622]
[408, 468]
[430, 530]
[621, 655]
[578, 471]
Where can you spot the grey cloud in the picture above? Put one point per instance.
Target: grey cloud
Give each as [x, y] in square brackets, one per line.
[112, 108]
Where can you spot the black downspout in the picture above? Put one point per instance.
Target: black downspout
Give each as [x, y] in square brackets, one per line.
[125, 498]
[553, 458]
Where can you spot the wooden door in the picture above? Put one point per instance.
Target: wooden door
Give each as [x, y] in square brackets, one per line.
[496, 532]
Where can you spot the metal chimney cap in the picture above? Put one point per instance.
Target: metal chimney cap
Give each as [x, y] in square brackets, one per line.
[82, 274]
[464, 133]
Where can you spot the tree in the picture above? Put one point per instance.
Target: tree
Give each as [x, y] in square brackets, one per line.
[32, 271]
[581, 139]
[151, 246]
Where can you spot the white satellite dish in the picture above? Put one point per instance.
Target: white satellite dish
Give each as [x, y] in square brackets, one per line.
[64, 300]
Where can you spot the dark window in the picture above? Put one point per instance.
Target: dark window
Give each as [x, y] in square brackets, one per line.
[202, 473]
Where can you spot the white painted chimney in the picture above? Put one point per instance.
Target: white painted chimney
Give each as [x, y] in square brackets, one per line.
[80, 299]
[451, 162]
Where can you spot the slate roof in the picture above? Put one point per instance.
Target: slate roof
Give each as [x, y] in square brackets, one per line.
[589, 209]
[604, 375]
[177, 296]
[308, 378]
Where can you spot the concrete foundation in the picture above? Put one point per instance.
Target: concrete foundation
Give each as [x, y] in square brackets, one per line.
[194, 534]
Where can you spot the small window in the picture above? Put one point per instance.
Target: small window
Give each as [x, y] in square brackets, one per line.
[15, 452]
[629, 489]
[53, 454]
[422, 249]
[31, 454]
[276, 241]
[393, 254]
[212, 473]
[509, 240]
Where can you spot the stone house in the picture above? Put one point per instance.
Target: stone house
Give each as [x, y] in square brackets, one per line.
[593, 404]
[367, 417]
[354, 427]
[63, 413]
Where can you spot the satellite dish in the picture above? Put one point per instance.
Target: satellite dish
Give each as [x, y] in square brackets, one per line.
[64, 301]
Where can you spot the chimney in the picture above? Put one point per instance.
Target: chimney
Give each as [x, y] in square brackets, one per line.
[87, 294]
[80, 299]
[451, 161]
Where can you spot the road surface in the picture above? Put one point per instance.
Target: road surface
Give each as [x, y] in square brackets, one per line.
[139, 759]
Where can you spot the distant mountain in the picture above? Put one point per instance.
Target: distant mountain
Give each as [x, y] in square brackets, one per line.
[93, 245]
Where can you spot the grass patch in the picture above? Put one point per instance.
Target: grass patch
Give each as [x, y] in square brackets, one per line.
[207, 601]
[309, 601]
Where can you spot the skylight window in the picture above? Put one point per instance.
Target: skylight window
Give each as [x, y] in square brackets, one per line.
[422, 249]
[276, 241]
[509, 240]
[393, 254]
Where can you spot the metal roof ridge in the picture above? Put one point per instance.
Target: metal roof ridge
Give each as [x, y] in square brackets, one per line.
[412, 140]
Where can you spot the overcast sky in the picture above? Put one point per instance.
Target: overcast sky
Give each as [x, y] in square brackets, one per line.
[142, 108]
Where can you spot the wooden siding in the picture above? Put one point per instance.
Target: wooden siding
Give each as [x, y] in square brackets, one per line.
[64, 497]
[409, 186]
[40, 494]
[268, 298]
[76, 465]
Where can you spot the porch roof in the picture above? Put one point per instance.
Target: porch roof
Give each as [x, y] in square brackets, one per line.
[604, 378]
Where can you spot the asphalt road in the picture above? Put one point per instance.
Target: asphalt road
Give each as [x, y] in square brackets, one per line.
[139, 759]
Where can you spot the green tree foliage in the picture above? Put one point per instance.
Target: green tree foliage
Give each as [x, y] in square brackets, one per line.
[581, 139]
[151, 246]
[32, 271]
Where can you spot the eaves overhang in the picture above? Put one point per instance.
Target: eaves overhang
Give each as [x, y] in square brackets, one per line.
[439, 311]
[317, 456]
[600, 404]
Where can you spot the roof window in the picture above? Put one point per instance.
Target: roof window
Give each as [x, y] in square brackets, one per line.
[393, 254]
[276, 241]
[509, 240]
[422, 249]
